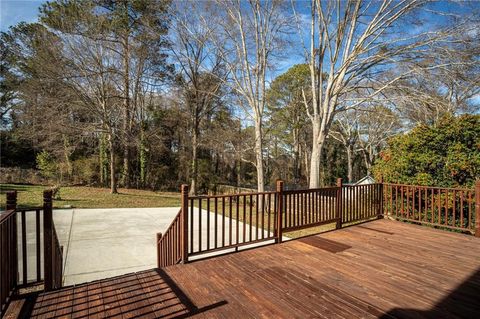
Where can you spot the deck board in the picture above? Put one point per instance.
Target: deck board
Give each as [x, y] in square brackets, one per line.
[378, 269]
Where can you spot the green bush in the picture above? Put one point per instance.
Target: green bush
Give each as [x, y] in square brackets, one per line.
[446, 154]
[47, 164]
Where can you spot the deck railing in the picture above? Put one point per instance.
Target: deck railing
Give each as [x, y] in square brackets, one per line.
[8, 257]
[170, 243]
[452, 208]
[361, 202]
[20, 267]
[310, 208]
[208, 224]
[230, 221]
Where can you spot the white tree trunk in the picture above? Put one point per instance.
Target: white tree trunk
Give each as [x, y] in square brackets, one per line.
[349, 149]
[259, 154]
[316, 156]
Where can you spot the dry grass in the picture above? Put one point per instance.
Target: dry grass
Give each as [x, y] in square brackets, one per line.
[90, 197]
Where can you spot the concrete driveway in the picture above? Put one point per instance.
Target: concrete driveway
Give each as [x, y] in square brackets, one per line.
[100, 243]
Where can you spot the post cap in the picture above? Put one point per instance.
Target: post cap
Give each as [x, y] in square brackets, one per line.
[279, 185]
[339, 181]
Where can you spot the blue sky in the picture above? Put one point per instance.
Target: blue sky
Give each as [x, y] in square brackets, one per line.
[15, 11]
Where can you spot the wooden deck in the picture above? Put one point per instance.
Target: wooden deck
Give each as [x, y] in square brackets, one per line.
[382, 269]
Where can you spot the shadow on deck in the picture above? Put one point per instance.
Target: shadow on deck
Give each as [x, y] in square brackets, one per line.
[463, 302]
[148, 294]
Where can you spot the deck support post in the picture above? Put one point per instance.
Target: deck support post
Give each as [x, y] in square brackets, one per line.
[278, 225]
[339, 210]
[477, 208]
[48, 239]
[184, 223]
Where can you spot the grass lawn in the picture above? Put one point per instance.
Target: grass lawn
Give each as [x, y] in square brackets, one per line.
[90, 197]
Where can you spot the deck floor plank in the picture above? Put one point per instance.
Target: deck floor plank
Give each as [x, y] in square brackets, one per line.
[380, 269]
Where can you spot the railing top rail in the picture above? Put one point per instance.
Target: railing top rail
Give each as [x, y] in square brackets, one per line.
[28, 208]
[6, 214]
[372, 184]
[310, 190]
[433, 187]
[230, 195]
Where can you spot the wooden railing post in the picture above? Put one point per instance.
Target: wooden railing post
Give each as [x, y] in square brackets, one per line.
[184, 223]
[339, 210]
[11, 204]
[380, 199]
[477, 208]
[48, 239]
[11, 200]
[159, 257]
[278, 225]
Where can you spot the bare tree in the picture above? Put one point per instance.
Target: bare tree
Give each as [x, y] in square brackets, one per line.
[350, 44]
[345, 131]
[427, 95]
[376, 124]
[249, 35]
[91, 76]
[201, 75]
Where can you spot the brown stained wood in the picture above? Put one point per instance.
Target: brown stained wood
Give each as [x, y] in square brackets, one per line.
[216, 223]
[230, 216]
[191, 225]
[454, 223]
[200, 224]
[24, 248]
[250, 217]
[325, 244]
[389, 270]
[244, 219]
[38, 244]
[223, 222]
[256, 216]
[237, 221]
[375, 230]
[461, 209]
[208, 223]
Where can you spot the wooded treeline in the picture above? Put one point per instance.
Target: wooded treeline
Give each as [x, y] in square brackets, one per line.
[155, 93]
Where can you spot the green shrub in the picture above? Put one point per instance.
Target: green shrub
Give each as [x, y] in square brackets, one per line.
[47, 164]
[445, 155]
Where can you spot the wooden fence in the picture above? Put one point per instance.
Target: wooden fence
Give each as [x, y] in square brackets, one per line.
[209, 224]
[452, 208]
[19, 230]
